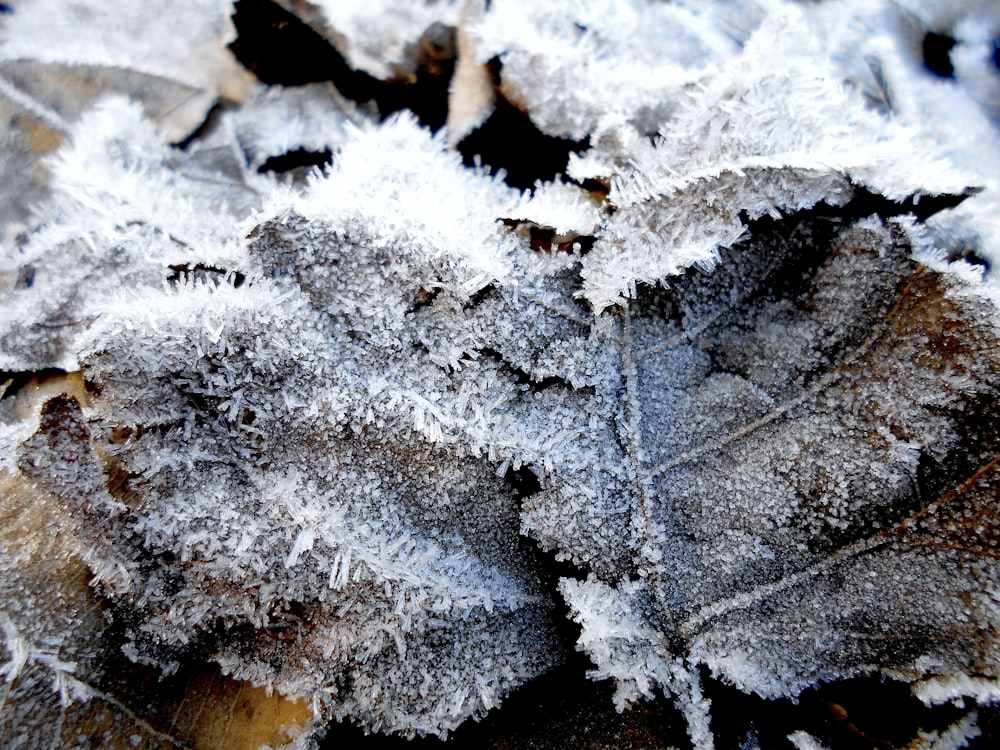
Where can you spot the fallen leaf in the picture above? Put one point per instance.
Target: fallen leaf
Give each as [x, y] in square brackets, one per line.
[806, 466]
[65, 678]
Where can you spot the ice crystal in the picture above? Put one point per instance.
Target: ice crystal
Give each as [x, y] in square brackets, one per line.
[744, 349]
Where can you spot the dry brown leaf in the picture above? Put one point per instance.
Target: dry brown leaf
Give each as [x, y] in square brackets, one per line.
[67, 637]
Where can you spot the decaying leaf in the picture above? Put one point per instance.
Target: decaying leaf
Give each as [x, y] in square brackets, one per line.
[360, 564]
[65, 682]
[806, 473]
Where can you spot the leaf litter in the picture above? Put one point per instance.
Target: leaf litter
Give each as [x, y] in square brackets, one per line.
[756, 399]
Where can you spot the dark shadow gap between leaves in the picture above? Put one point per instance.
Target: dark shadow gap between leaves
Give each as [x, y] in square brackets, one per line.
[937, 54]
[510, 141]
[13, 381]
[863, 203]
[202, 274]
[544, 239]
[297, 159]
[520, 376]
[863, 713]
[279, 48]
[204, 127]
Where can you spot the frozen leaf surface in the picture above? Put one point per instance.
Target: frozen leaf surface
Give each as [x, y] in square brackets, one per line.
[318, 408]
[58, 58]
[124, 209]
[771, 131]
[65, 683]
[563, 62]
[805, 456]
[881, 52]
[287, 510]
[275, 121]
[185, 45]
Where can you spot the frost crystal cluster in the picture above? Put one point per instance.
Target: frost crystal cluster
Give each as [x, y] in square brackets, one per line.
[733, 370]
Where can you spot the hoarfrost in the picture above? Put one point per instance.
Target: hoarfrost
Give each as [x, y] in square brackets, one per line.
[564, 62]
[772, 131]
[57, 59]
[282, 484]
[124, 209]
[757, 398]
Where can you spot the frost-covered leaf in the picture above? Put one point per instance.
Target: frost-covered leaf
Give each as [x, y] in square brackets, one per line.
[290, 512]
[58, 57]
[186, 44]
[772, 131]
[41, 101]
[124, 209]
[798, 447]
[275, 121]
[64, 682]
[27, 135]
[884, 50]
[127, 208]
[564, 62]
[315, 404]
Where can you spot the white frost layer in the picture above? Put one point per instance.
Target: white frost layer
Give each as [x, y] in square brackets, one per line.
[773, 131]
[940, 690]
[382, 180]
[565, 62]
